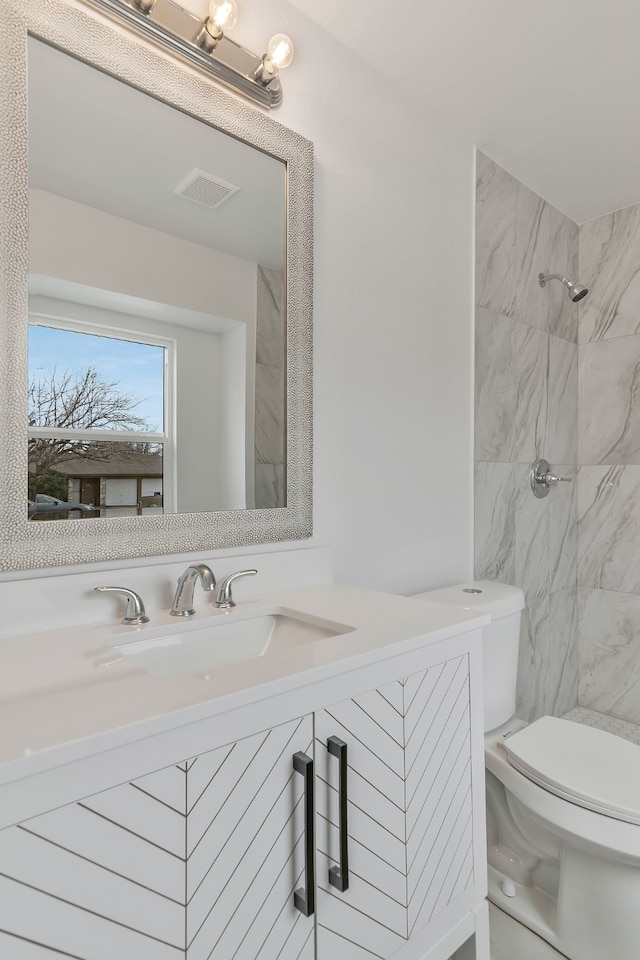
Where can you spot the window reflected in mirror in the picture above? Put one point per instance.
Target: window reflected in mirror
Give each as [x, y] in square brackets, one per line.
[97, 423]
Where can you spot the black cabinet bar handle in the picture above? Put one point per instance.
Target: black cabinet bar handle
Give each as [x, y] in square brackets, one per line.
[303, 897]
[339, 876]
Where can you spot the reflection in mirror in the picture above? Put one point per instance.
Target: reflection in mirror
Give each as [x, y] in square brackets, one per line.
[157, 305]
[95, 442]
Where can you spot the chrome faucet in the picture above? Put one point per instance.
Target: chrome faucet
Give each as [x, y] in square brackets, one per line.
[135, 607]
[225, 600]
[183, 599]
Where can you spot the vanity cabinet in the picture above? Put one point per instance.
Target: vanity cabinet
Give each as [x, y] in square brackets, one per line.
[223, 857]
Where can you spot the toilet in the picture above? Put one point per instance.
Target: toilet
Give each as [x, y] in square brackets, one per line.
[563, 804]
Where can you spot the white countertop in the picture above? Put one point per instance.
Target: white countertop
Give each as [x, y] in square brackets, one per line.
[58, 687]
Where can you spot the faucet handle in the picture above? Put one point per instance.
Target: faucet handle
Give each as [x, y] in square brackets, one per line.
[225, 600]
[135, 607]
[551, 478]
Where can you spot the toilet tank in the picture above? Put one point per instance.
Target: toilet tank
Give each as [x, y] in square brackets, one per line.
[500, 639]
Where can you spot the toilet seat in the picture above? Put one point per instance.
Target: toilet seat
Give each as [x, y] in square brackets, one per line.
[581, 764]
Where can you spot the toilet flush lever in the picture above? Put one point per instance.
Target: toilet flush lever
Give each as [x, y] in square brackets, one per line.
[541, 478]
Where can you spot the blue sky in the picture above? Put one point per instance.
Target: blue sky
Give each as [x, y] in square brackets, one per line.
[137, 368]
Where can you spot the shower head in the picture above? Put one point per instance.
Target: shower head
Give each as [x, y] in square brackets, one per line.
[575, 290]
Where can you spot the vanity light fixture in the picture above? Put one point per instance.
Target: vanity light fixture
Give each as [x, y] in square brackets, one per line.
[206, 44]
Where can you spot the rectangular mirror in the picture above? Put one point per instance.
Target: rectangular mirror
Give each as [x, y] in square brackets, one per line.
[163, 302]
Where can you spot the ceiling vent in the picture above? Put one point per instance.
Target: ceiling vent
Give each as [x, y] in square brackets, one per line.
[205, 189]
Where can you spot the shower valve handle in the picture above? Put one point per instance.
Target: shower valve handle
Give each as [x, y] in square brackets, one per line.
[551, 478]
[541, 478]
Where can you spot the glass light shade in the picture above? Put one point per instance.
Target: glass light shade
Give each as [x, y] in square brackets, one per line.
[223, 14]
[280, 51]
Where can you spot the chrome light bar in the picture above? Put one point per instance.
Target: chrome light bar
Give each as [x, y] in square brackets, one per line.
[172, 26]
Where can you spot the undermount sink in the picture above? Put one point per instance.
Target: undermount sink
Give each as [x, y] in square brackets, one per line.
[195, 647]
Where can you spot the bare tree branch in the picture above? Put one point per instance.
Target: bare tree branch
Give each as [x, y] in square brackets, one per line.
[82, 401]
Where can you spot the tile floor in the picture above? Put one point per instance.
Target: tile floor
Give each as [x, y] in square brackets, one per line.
[621, 728]
[511, 941]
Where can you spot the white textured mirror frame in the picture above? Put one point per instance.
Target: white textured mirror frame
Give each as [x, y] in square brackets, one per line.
[91, 36]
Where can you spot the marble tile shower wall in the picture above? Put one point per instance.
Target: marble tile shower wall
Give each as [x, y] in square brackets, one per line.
[526, 384]
[609, 478]
[269, 448]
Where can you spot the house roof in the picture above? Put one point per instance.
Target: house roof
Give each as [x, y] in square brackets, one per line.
[137, 465]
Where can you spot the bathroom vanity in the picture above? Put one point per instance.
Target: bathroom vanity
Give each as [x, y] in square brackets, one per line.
[323, 798]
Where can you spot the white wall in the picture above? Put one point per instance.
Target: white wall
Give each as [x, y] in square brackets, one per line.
[393, 318]
[84, 245]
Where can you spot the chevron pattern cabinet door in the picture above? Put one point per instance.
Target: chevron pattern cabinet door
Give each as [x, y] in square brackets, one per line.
[409, 811]
[245, 849]
[98, 880]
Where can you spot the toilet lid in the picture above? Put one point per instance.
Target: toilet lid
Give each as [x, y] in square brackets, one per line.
[588, 767]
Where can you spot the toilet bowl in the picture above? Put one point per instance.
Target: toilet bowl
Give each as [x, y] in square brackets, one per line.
[563, 806]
